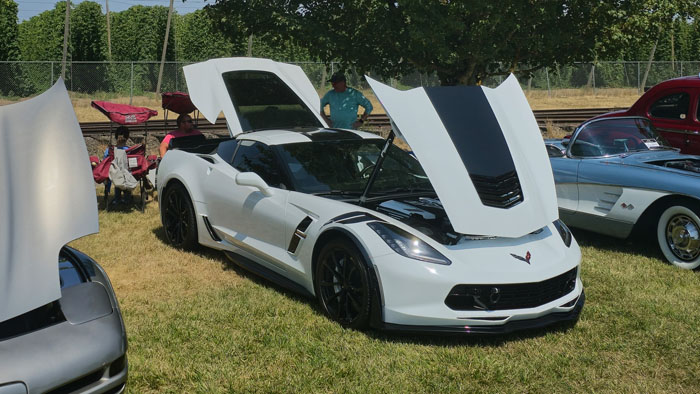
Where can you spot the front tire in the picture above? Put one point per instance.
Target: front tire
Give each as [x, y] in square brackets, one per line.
[678, 235]
[342, 284]
[178, 218]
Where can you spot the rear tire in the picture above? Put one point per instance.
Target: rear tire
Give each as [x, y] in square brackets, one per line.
[678, 235]
[342, 284]
[178, 218]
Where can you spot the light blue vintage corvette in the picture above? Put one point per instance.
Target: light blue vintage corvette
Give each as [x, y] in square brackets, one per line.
[616, 175]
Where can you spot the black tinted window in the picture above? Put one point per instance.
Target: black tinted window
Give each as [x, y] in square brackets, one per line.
[263, 101]
[258, 158]
[226, 149]
[673, 106]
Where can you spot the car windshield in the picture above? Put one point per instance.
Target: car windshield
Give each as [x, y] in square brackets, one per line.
[617, 136]
[344, 167]
[263, 101]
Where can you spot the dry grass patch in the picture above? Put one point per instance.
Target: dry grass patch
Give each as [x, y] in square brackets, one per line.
[582, 98]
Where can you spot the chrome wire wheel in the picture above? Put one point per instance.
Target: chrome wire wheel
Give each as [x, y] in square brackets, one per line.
[342, 284]
[678, 234]
[683, 237]
[178, 218]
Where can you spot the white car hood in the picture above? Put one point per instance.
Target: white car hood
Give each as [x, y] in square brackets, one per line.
[463, 133]
[208, 91]
[47, 197]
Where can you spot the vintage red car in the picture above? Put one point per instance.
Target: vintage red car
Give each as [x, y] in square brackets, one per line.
[674, 110]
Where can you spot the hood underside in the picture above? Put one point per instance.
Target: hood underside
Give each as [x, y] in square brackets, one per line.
[210, 94]
[483, 152]
[47, 197]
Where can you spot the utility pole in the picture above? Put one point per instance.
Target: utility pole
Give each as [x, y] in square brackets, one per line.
[165, 47]
[109, 33]
[66, 31]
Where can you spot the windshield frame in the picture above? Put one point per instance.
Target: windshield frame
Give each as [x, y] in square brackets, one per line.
[579, 129]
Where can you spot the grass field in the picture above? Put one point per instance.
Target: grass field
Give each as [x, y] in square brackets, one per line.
[197, 323]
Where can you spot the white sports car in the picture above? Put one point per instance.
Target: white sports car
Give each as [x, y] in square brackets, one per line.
[465, 238]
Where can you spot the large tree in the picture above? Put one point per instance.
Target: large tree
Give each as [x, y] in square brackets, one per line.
[462, 41]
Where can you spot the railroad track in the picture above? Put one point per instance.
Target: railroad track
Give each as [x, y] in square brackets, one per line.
[559, 117]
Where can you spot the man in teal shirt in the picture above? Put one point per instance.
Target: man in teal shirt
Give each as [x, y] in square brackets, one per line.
[344, 102]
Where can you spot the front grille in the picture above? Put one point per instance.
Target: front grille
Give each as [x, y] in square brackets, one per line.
[511, 296]
[500, 191]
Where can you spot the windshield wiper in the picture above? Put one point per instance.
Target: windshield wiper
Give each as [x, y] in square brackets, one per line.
[407, 190]
[337, 193]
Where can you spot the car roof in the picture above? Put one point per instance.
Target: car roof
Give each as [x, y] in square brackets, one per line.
[281, 136]
[692, 80]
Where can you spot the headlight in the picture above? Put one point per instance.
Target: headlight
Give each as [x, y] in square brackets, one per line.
[408, 245]
[563, 231]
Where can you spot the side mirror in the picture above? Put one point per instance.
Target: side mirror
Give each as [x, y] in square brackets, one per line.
[565, 141]
[252, 179]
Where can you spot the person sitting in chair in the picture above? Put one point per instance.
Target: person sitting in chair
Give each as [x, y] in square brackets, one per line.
[122, 136]
[185, 128]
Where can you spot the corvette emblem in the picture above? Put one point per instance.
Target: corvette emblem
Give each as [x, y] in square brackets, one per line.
[525, 259]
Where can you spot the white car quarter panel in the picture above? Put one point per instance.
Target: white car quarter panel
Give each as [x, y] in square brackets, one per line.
[426, 134]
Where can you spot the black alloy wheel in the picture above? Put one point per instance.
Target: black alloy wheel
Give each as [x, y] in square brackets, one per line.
[342, 284]
[178, 218]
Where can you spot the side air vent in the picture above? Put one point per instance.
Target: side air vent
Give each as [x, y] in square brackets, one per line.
[210, 229]
[500, 192]
[299, 234]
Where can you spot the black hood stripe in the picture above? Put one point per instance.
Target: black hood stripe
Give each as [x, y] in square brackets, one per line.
[475, 132]
[467, 116]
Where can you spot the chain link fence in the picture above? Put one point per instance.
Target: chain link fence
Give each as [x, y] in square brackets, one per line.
[129, 79]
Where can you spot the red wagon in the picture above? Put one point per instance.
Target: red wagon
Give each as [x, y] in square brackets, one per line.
[139, 163]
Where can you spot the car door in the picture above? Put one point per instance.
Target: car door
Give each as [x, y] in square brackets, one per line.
[674, 114]
[251, 220]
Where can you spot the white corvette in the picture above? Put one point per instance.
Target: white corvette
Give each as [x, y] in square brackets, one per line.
[464, 239]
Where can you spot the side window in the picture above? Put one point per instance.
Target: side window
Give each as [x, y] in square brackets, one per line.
[258, 158]
[673, 106]
[226, 149]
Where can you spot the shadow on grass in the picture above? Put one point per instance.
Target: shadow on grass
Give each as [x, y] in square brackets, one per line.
[638, 245]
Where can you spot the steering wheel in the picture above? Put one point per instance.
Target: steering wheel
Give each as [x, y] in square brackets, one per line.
[367, 171]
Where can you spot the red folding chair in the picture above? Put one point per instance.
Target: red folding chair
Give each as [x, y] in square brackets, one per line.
[139, 163]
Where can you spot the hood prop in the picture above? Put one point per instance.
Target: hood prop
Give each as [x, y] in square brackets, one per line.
[377, 167]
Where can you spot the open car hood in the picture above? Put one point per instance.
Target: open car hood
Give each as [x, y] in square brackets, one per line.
[482, 151]
[47, 197]
[210, 95]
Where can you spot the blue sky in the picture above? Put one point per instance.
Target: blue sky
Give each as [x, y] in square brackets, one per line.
[29, 8]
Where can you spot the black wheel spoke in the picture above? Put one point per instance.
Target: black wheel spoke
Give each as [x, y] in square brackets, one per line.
[354, 302]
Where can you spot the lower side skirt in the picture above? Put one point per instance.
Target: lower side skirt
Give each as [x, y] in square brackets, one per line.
[259, 270]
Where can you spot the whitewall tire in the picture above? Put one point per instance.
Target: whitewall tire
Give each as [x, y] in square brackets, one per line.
[678, 234]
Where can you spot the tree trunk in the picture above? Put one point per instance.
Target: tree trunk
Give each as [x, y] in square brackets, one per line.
[250, 46]
[651, 57]
[165, 48]
[66, 32]
[109, 33]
